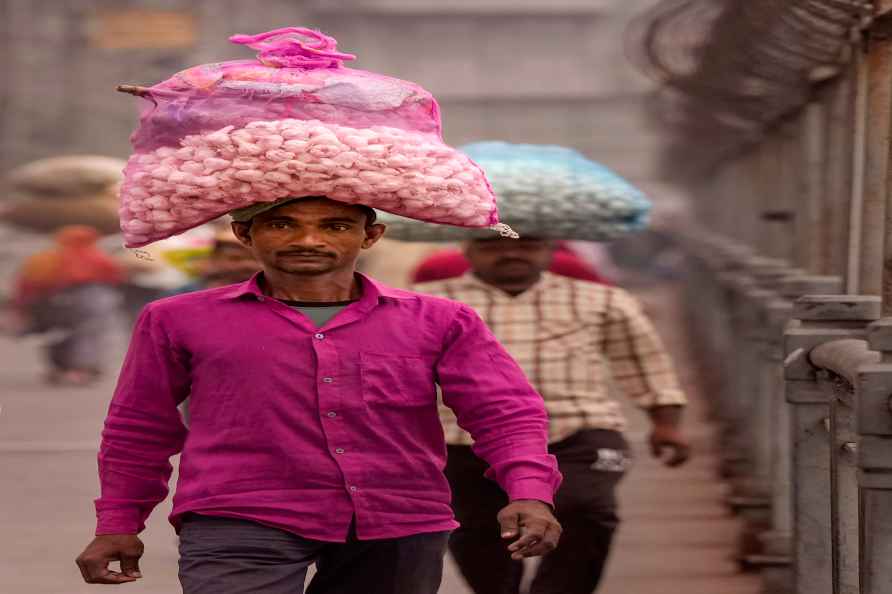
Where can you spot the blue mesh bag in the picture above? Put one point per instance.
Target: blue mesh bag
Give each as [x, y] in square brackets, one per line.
[543, 191]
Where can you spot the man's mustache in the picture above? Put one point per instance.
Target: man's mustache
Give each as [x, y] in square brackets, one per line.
[305, 253]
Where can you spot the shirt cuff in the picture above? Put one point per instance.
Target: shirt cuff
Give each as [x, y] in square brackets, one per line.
[663, 398]
[532, 488]
[119, 521]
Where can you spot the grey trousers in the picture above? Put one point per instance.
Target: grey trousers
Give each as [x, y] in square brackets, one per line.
[85, 315]
[229, 556]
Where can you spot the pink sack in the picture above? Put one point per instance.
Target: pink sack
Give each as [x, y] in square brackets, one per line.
[293, 123]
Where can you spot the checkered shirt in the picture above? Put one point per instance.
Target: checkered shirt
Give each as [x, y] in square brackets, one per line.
[575, 340]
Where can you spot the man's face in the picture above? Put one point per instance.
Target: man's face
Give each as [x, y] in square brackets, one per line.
[509, 261]
[312, 236]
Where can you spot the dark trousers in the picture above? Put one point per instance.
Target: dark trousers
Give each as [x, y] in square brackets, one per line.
[592, 462]
[229, 556]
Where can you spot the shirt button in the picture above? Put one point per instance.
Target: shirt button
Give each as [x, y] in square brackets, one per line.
[352, 489]
[327, 380]
[332, 415]
[320, 336]
[339, 451]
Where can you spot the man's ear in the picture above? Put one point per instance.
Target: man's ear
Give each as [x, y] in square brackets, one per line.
[242, 232]
[372, 234]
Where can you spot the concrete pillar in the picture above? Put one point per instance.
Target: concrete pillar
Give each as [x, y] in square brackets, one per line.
[757, 376]
[817, 319]
[874, 428]
[810, 227]
[844, 489]
[778, 547]
[837, 179]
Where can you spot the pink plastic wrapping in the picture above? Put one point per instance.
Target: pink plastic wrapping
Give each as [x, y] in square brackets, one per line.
[293, 123]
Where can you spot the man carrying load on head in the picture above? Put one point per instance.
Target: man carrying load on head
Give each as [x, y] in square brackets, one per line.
[578, 343]
[314, 434]
[572, 338]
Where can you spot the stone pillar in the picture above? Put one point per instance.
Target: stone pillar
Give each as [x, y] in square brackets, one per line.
[776, 563]
[873, 410]
[756, 379]
[817, 319]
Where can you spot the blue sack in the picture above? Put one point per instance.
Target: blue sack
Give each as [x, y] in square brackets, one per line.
[543, 191]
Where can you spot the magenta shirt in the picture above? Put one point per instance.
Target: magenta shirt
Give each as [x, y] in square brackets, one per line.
[303, 428]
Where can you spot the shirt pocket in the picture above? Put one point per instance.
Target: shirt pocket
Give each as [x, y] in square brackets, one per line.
[397, 380]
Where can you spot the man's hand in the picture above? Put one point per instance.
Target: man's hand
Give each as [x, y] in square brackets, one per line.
[664, 438]
[532, 524]
[666, 435]
[93, 562]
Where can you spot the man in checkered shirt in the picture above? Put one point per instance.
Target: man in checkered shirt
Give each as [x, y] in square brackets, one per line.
[578, 343]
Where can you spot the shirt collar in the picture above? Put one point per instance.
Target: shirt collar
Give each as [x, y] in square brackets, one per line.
[372, 290]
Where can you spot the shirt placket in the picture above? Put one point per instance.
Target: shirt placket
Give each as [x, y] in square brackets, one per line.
[333, 414]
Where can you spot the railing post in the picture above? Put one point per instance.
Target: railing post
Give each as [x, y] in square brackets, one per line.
[818, 319]
[777, 558]
[732, 281]
[843, 488]
[755, 380]
[873, 406]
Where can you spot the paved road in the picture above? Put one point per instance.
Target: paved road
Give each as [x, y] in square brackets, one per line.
[677, 537]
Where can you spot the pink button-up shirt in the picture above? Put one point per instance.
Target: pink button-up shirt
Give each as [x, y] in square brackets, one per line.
[305, 428]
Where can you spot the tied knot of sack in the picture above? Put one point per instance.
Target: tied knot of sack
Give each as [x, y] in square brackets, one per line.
[295, 47]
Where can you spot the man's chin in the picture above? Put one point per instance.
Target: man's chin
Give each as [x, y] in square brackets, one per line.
[307, 268]
[515, 272]
[516, 279]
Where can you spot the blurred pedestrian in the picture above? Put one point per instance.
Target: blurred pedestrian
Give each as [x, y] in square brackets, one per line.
[573, 339]
[150, 273]
[450, 263]
[314, 434]
[228, 263]
[71, 289]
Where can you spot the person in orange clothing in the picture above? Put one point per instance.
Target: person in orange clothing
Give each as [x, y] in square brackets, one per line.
[71, 288]
[452, 263]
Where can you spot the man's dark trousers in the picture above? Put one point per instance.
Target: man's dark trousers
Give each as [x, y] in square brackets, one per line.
[230, 556]
[593, 462]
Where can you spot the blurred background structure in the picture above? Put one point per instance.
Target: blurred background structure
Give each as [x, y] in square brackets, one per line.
[490, 63]
[778, 123]
[761, 129]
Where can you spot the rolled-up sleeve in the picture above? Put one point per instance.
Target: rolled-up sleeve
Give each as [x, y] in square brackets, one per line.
[143, 429]
[494, 402]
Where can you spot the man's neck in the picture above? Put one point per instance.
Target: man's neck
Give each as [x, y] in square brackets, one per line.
[335, 286]
[514, 288]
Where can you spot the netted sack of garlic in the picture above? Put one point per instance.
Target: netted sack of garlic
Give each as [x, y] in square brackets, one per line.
[295, 122]
[70, 176]
[543, 191]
